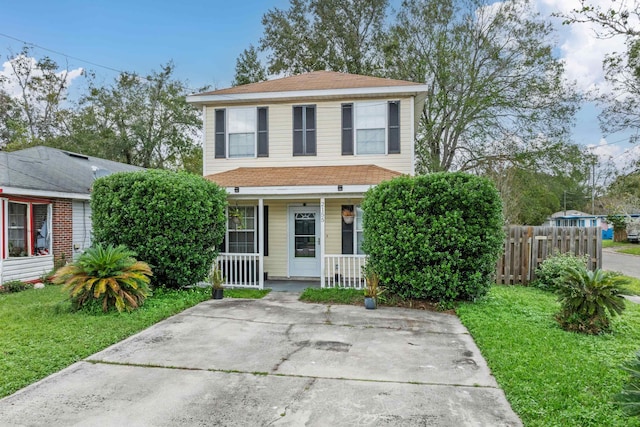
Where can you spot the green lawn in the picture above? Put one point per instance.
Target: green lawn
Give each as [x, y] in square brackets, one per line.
[632, 250]
[552, 377]
[612, 244]
[39, 335]
[333, 296]
[633, 288]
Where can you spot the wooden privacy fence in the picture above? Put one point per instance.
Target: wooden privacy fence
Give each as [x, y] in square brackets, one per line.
[526, 247]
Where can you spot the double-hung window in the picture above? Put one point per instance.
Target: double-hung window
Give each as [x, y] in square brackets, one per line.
[304, 130]
[371, 127]
[352, 232]
[358, 230]
[242, 230]
[28, 229]
[241, 132]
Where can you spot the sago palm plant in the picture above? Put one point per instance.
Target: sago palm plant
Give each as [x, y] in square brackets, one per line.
[110, 275]
[589, 299]
[629, 398]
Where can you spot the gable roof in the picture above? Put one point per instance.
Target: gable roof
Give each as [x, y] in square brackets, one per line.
[314, 84]
[47, 169]
[303, 176]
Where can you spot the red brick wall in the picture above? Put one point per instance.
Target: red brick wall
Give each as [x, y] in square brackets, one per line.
[62, 230]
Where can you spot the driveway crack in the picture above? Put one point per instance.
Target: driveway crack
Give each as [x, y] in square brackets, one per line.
[295, 398]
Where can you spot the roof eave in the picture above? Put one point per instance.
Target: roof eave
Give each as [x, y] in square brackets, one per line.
[409, 90]
[297, 191]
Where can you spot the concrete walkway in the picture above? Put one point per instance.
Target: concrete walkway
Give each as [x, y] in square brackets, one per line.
[276, 361]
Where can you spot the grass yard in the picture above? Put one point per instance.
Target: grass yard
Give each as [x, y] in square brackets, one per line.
[632, 250]
[41, 335]
[552, 377]
[612, 244]
[633, 288]
[333, 296]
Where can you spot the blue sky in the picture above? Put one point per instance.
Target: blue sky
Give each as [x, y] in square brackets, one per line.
[204, 38]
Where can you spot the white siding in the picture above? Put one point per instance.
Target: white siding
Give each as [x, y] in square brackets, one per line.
[329, 140]
[81, 226]
[26, 268]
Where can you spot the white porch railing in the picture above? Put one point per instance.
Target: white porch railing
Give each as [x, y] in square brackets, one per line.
[240, 270]
[344, 271]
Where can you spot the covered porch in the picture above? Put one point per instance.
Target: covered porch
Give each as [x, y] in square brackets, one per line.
[296, 230]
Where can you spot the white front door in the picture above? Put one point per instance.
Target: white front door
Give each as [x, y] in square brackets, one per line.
[304, 241]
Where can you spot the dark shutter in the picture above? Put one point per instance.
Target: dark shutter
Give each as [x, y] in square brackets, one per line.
[394, 127]
[265, 235]
[347, 233]
[347, 129]
[263, 132]
[220, 135]
[310, 130]
[298, 132]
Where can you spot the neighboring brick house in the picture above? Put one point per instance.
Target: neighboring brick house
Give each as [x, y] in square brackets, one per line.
[45, 215]
[296, 155]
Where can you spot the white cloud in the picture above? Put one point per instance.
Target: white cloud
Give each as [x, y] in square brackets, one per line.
[579, 47]
[622, 155]
[9, 81]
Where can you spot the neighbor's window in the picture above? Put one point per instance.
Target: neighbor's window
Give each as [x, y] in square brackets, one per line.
[242, 230]
[27, 240]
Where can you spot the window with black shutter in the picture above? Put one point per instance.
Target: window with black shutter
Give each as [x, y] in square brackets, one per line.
[393, 140]
[347, 129]
[220, 135]
[263, 132]
[304, 130]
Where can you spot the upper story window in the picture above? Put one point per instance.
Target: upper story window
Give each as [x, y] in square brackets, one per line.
[371, 128]
[304, 130]
[241, 132]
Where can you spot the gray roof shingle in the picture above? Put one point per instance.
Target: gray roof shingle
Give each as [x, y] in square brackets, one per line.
[49, 169]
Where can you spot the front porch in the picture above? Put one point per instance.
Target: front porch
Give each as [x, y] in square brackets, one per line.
[242, 270]
[291, 223]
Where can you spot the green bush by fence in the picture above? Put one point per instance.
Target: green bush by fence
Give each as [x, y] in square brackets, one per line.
[436, 236]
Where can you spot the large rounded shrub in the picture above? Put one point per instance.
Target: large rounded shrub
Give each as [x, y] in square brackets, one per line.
[173, 221]
[435, 237]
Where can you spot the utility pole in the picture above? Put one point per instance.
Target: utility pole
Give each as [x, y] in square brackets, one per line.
[593, 187]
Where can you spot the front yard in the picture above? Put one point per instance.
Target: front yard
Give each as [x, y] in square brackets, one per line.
[552, 377]
[41, 335]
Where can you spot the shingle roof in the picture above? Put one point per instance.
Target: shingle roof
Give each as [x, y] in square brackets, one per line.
[303, 175]
[49, 169]
[316, 80]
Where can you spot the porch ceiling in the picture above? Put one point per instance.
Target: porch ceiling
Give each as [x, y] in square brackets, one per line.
[303, 176]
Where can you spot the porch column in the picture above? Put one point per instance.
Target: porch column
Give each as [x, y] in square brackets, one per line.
[261, 243]
[322, 237]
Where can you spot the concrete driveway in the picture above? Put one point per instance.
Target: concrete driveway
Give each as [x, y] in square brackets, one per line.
[276, 361]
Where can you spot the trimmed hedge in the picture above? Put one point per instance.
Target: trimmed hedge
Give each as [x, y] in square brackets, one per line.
[435, 237]
[174, 221]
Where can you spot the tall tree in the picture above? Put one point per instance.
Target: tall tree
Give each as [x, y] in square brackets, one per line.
[143, 121]
[497, 93]
[622, 69]
[336, 35]
[34, 93]
[248, 68]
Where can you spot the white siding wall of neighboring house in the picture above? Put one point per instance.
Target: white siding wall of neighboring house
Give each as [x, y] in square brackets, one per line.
[81, 226]
[26, 268]
[329, 134]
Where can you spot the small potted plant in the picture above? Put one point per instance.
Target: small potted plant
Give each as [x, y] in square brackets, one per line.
[372, 289]
[347, 216]
[236, 216]
[216, 279]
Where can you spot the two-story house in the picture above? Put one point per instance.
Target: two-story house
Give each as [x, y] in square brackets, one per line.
[296, 155]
